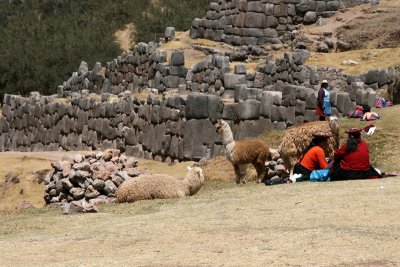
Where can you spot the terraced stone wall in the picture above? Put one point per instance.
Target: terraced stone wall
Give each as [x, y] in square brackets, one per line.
[259, 22]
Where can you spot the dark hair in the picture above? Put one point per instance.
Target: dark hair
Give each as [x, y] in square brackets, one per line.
[314, 142]
[352, 142]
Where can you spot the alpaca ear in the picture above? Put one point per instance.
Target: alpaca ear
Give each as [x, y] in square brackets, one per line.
[333, 118]
[189, 168]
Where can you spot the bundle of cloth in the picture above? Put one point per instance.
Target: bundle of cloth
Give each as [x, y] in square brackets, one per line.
[383, 103]
[363, 112]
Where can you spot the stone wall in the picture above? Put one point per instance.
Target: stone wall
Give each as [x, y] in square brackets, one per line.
[177, 127]
[259, 22]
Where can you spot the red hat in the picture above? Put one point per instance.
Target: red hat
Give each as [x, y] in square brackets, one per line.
[321, 135]
[354, 131]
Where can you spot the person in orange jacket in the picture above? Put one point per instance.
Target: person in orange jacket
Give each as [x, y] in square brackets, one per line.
[313, 158]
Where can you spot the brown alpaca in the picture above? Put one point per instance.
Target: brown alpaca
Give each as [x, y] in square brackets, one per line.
[298, 138]
[243, 152]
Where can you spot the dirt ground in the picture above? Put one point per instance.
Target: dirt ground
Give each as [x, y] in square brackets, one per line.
[352, 223]
[377, 27]
[372, 31]
[349, 223]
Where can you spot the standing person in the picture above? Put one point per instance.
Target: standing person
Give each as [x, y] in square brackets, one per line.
[352, 160]
[324, 108]
[313, 158]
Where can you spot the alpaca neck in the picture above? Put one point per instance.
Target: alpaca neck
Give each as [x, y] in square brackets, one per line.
[228, 142]
[192, 185]
[227, 136]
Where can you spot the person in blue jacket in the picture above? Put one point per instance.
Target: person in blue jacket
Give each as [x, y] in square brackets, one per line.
[324, 108]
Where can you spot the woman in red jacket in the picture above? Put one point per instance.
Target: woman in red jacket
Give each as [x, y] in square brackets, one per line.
[352, 161]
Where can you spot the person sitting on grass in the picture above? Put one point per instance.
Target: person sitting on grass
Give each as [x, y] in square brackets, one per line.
[312, 159]
[352, 160]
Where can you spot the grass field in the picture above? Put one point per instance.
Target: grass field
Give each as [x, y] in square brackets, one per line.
[349, 223]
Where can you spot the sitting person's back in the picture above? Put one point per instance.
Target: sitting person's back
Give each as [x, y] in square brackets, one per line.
[314, 159]
[357, 160]
[352, 160]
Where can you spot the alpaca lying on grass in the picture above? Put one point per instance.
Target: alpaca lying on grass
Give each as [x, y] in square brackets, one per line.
[298, 138]
[159, 186]
[243, 152]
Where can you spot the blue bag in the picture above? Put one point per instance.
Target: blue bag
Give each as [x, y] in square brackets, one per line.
[320, 176]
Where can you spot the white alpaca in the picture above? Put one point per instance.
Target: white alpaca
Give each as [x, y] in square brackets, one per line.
[243, 152]
[160, 186]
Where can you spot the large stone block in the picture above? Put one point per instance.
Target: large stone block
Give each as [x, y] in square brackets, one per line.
[281, 10]
[231, 80]
[198, 134]
[252, 128]
[344, 104]
[272, 22]
[248, 110]
[332, 5]
[177, 58]
[278, 113]
[300, 56]
[311, 100]
[383, 77]
[252, 93]
[300, 107]
[256, 6]
[289, 95]
[238, 20]
[320, 6]
[201, 106]
[310, 17]
[255, 20]
[228, 111]
[372, 76]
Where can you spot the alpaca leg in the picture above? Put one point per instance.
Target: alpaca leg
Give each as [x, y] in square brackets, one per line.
[243, 172]
[261, 171]
[237, 173]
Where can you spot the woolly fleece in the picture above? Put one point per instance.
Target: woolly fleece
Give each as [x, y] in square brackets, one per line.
[243, 152]
[297, 139]
[159, 186]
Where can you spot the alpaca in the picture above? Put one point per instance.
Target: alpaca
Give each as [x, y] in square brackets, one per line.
[160, 186]
[298, 138]
[243, 152]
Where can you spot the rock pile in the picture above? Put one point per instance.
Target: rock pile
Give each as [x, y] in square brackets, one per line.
[276, 169]
[93, 178]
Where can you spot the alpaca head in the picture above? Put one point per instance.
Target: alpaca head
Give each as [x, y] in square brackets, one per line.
[333, 124]
[222, 126]
[194, 180]
[225, 131]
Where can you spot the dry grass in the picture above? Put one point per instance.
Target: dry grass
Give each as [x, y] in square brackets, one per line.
[349, 223]
[24, 167]
[124, 36]
[305, 224]
[371, 30]
[61, 100]
[384, 145]
[368, 59]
